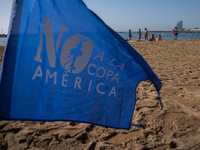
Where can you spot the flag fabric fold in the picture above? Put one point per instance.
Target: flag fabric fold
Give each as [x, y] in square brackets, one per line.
[63, 63]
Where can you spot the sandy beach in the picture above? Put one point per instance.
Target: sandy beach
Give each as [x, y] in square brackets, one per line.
[177, 126]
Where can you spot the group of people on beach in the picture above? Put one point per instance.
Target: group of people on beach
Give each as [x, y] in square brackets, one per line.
[152, 37]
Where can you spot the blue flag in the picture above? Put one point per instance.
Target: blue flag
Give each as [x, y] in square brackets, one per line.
[63, 63]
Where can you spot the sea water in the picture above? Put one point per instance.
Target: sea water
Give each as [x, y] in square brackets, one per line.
[164, 35]
[3, 41]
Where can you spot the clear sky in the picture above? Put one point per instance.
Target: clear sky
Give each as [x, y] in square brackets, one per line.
[122, 15]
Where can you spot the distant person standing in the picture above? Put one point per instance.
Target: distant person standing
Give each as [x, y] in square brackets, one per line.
[175, 33]
[129, 35]
[139, 35]
[146, 34]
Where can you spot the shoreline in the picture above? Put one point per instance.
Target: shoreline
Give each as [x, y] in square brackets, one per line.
[5, 35]
[161, 40]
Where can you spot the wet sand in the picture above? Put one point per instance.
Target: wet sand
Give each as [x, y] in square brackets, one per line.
[177, 126]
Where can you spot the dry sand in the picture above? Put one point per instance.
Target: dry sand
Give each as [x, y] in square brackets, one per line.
[177, 126]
